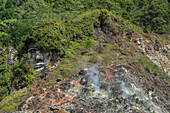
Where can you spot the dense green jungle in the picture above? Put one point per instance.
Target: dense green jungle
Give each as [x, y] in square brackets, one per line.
[84, 56]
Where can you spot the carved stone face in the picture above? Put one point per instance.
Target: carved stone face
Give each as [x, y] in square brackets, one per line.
[38, 58]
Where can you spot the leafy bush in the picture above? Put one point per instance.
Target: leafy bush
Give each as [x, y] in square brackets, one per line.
[23, 75]
[19, 75]
[65, 37]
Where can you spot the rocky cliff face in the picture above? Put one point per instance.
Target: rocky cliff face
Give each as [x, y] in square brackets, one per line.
[149, 44]
[153, 49]
[111, 89]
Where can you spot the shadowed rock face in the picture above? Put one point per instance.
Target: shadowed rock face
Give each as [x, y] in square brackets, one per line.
[37, 58]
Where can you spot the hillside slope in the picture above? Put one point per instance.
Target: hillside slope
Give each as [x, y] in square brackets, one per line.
[97, 63]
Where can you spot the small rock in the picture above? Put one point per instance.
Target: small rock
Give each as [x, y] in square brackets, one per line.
[83, 72]
[53, 108]
[58, 80]
[83, 81]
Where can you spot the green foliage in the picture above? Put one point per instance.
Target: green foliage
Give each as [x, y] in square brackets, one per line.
[23, 75]
[103, 15]
[148, 65]
[6, 9]
[9, 108]
[17, 16]
[5, 35]
[5, 76]
[151, 15]
[19, 75]
[155, 16]
[10, 102]
[68, 37]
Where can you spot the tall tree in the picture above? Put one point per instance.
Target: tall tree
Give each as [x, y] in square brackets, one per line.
[155, 16]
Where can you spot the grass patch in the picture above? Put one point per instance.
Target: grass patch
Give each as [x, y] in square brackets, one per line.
[10, 102]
